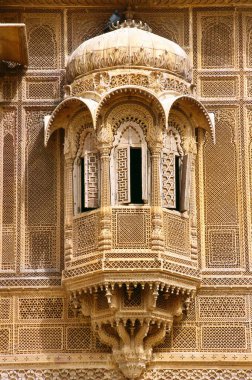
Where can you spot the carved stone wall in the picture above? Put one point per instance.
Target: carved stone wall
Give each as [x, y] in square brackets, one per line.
[38, 331]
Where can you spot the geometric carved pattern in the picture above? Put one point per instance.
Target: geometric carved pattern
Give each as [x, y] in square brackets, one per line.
[43, 35]
[132, 228]
[122, 175]
[176, 231]
[223, 249]
[224, 337]
[221, 186]
[91, 179]
[248, 34]
[168, 179]
[9, 179]
[39, 339]
[5, 340]
[106, 374]
[38, 88]
[5, 309]
[40, 248]
[85, 234]
[8, 196]
[63, 374]
[220, 182]
[79, 338]
[198, 374]
[42, 195]
[222, 307]
[216, 33]
[40, 308]
[218, 87]
[184, 338]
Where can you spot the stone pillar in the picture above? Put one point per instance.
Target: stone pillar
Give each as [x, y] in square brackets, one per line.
[105, 138]
[105, 237]
[157, 236]
[155, 142]
[68, 208]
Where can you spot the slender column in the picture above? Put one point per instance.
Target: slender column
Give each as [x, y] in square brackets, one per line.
[194, 237]
[105, 138]
[105, 237]
[68, 208]
[157, 237]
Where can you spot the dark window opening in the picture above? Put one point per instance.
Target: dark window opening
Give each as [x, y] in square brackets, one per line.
[83, 208]
[136, 175]
[177, 182]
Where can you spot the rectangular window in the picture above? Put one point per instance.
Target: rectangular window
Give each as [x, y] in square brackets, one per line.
[136, 175]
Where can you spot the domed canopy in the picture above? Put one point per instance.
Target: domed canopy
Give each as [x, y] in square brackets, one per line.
[128, 47]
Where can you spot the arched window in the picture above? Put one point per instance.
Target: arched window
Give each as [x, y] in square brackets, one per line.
[129, 165]
[86, 174]
[175, 169]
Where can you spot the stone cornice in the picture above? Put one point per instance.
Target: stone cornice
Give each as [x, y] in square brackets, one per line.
[123, 3]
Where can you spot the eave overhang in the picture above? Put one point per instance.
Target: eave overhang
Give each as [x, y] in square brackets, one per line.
[13, 44]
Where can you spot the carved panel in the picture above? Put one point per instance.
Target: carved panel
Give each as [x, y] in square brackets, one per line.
[247, 34]
[5, 339]
[42, 196]
[85, 234]
[218, 337]
[46, 88]
[221, 187]
[8, 89]
[122, 160]
[222, 308]
[78, 338]
[177, 235]
[8, 196]
[216, 87]
[39, 338]
[44, 40]
[223, 248]
[131, 228]
[40, 308]
[214, 33]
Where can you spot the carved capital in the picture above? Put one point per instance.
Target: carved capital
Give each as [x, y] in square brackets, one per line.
[104, 136]
[155, 139]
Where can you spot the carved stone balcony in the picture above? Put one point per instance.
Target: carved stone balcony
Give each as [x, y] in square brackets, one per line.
[132, 291]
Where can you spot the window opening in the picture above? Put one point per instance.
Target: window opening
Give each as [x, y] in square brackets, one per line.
[136, 175]
[177, 182]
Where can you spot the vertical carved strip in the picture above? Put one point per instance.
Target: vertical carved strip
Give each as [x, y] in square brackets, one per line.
[105, 238]
[68, 208]
[157, 217]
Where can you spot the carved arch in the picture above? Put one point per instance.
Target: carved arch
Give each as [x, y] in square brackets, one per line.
[129, 93]
[193, 110]
[65, 111]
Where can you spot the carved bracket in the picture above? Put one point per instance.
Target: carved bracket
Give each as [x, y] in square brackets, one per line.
[132, 318]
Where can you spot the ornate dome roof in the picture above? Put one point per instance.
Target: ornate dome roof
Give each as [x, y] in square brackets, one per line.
[128, 47]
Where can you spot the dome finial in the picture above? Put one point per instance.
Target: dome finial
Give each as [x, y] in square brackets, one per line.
[129, 22]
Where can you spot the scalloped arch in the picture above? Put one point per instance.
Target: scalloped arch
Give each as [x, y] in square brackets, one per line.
[193, 109]
[147, 97]
[65, 111]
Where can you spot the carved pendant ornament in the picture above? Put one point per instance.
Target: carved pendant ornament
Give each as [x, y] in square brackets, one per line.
[132, 318]
[130, 147]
